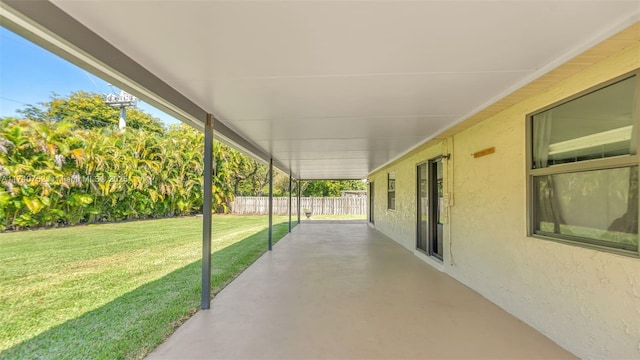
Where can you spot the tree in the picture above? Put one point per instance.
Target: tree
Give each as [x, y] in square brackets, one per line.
[54, 173]
[323, 188]
[87, 111]
[68, 163]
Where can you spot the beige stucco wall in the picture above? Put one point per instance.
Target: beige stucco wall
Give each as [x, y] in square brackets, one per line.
[585, 300]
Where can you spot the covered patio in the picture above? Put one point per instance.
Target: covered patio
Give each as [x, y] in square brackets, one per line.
[335, 289]
[381, 90]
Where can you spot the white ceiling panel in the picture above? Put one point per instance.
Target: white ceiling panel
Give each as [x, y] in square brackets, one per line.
[414, 94]
[336, 89]
[343, 128]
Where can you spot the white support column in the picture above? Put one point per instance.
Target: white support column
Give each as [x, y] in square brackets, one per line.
[207, 208]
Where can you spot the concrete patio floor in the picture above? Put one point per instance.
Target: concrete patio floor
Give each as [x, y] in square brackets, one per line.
[341, 290]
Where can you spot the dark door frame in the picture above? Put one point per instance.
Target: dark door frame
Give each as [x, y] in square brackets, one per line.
[372, 219]
[433, 244]
[435, 194]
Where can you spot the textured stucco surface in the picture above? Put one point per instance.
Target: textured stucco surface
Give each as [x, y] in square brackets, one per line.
[585, 300]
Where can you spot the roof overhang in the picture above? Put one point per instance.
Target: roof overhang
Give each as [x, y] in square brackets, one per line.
[54, 30]
[327, 89]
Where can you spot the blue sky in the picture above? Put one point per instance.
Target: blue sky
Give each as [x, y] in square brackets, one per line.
[30, 74]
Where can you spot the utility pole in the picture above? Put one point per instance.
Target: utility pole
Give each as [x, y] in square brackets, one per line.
[121, 101]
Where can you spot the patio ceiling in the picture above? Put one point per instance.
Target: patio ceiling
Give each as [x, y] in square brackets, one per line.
[329, 89]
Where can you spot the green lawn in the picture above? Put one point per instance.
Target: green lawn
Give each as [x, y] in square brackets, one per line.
[114, 290]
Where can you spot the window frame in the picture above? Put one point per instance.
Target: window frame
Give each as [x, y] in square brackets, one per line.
[391, 191]
[621, 161]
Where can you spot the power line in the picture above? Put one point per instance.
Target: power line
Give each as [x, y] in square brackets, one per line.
[91, 76]
[13, 100]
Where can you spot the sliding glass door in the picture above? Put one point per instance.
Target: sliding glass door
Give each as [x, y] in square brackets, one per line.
[430, 207]
[423, 210]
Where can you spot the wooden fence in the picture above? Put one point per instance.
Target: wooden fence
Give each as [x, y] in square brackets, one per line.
[245, 205]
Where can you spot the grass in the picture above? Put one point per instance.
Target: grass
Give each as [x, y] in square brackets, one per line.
[114, 291]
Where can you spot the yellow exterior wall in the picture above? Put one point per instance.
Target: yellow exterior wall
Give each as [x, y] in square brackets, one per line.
[587, 301]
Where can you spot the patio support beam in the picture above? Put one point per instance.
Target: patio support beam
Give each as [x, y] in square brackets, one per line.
[290, 191]
[205, 300]
[270, 203]
[299, 198]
